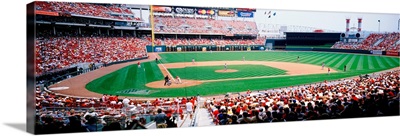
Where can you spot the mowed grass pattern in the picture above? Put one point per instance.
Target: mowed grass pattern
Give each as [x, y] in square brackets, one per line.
[208, 72]
[131, 77]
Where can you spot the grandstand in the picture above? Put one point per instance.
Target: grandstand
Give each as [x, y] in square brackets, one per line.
[73, 39]
[375, 41]
[174, 28]
[108, 50]
[65, 41]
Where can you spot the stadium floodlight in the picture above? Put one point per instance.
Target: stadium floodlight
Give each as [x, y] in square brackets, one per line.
[379, 26]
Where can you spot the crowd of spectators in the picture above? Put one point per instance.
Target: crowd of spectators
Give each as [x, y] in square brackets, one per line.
[65, 114]
[348, 45]
[203, 26]
[61, 52]
[88, 9]
[389, 42]
[207, 41]
[367, 96]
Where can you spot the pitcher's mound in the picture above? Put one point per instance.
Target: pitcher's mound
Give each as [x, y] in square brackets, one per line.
[226, 71]
[185, 83]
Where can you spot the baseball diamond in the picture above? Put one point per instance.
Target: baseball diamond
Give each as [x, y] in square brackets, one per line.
[261, 70]
[134, 66]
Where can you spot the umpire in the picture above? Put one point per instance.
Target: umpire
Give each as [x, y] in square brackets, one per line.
[166, 78]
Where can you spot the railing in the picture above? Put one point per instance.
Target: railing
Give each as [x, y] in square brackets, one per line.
[193, 122]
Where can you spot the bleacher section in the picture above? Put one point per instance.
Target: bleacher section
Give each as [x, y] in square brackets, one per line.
[203, 26]
[88, 9]
[384, 42]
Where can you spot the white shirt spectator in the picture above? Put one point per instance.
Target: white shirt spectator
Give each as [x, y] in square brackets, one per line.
[125, 101]
[189, 106]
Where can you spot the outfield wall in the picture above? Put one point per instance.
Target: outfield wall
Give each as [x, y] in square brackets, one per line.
[189, 48]
[124, 61]
[186, 48]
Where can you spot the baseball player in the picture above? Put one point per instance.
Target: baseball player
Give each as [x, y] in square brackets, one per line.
[298, 57]
[329, 71]
[178, 80]
[323, 65]
[226, 67]
[345, 68]
[193, 61]
[244, 58]
[138, 63]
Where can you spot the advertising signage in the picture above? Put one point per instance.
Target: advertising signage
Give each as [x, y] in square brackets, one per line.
[245, 14]
[205, 11]
[162, 9]
[227, 13]
[182, 10]
[48, 13]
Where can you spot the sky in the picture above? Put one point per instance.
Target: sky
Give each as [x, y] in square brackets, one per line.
[330, 20]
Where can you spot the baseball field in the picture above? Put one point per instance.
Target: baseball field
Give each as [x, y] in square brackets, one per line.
[245, 70]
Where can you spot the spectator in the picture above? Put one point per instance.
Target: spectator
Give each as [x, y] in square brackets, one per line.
[160, 119]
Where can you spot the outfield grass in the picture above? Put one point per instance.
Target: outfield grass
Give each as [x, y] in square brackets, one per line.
[131, 77]
[126, 78]
[308, 46]
[208, 72]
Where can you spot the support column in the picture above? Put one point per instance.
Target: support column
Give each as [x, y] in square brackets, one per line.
[141, 14]
[54, 30]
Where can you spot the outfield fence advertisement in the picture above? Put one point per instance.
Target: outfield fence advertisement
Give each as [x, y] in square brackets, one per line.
[392, 53]
[377, 52]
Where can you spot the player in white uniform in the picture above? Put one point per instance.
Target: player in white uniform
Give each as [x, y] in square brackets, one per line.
[226, 67]
[178, 80]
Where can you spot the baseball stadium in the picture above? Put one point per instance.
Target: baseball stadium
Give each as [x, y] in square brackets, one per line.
[104, 67]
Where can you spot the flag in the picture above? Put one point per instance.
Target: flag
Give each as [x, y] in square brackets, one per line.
[274, 13]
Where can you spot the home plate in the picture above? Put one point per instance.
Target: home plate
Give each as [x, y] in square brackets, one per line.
[58, 88]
